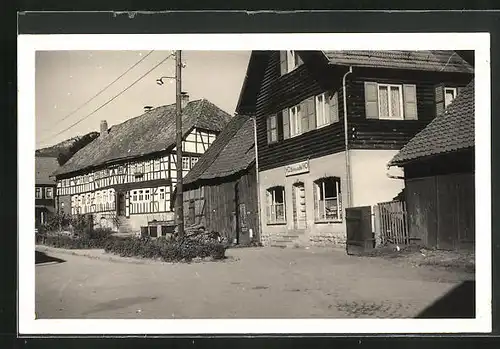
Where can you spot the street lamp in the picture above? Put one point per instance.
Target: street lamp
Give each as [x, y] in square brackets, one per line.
[160, 80]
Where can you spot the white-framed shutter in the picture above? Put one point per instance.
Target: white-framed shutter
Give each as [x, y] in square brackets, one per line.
[311, 110]
[283, 65]
[439, 99]
[333, 107]
[286, 123]
[410, 102]
[371, 100]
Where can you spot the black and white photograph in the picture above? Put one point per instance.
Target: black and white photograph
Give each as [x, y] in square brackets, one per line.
[295, 183]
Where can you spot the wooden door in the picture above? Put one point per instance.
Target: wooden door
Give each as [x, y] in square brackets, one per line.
[120, 204]
[299, 206]
[359, 229]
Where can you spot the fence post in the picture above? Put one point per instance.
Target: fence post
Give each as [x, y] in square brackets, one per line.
[376, 225]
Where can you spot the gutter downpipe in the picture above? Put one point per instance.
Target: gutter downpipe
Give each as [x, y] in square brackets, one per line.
[346, 141]
[258, 234]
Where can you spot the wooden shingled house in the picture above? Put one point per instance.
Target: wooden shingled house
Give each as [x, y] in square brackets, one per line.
[439, 175]
[220, 191]
[125, 177]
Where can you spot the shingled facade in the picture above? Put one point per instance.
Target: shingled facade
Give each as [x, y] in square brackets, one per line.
[439, 177]
[221, 189]
[125, 177]
[328, 123]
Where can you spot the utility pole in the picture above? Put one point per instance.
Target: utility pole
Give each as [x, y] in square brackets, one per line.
[179, 207]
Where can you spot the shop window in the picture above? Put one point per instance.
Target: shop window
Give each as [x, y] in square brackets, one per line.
[276, 205]
[327, 202]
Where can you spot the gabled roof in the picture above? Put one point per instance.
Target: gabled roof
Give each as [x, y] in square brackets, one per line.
[231, 152]
[438, 61]
[423, 60]
[152, 132]
[44, 167]
[452, 131]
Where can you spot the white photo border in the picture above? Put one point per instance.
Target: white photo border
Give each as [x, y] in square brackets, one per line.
[29, 44]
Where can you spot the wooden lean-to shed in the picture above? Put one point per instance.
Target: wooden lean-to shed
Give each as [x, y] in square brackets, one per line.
[220, 191]
[439, 177]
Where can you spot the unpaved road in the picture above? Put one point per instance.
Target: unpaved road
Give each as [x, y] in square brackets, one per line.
[251, 283]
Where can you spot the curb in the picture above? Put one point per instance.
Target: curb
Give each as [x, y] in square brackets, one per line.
[104, 256]
[117, 259]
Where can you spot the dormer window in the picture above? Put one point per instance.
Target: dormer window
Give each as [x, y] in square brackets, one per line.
[289, 61]
[449, 95]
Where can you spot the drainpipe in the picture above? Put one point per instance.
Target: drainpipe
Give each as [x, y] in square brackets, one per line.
[259, 223]
[346, 142]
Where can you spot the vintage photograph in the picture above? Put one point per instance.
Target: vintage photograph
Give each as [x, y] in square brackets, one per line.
[254, 184]
[258, 184]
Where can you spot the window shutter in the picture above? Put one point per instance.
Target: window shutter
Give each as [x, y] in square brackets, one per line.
[333, 113]
[304, 116]
[268, 206]
[268, 119]
[439, 99]
[312, 112]
[315, 189]
[283, 67]
[284, 203]
[371, 100]
[286, 123]
[410, 102]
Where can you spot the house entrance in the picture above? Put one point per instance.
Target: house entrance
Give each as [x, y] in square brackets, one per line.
[299, 206]
[120, 203]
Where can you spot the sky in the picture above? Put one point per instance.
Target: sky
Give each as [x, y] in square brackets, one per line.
[66, 80]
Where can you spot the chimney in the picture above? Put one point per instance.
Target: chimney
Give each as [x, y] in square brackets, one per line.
[184, 99]
[104, 127]
[148, 108]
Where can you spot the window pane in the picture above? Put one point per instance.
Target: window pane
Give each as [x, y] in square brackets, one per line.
[280, 212]
[278, 195]
[273, 121]
[383, 97]
[449, 96]
[395, 102]
[331, 208]
[330, 189]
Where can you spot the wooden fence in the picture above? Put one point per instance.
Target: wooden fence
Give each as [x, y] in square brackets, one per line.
[391, 222]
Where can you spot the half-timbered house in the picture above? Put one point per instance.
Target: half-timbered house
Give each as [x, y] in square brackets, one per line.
[439, 178]
[45, 188]
[220, 191]
[328, 122]
[125, 177]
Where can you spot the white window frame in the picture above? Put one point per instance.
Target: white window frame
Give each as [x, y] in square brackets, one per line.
[47, 191]
[273, 130]
[452, 89]
[272, 219]
[194, 160]
[295, 112]
[323, 106]
[320, 189]
[38, 193]
[389, 104]
[185, 160]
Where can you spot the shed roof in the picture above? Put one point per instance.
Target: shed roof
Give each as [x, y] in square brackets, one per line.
[231, 152]
[452, 131]
[439, 61]
[151, 132]
[44, 167]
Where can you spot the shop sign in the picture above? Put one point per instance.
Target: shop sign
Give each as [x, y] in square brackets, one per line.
[298, 168]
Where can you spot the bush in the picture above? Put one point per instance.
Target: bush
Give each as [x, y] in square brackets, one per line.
[94, 240]
[166, 250]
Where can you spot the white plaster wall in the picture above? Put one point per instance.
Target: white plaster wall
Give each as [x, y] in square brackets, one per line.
[315, 233]
[370, 183]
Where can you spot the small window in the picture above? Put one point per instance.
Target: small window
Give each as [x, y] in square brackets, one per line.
[272, 129]
[276, 205]
[49, 193]
[322, 110]
[390, 101]
[194, 160]
[141, 196]
[185, 163]
[38, 193]
[450, 93]
[293, 60]
[328, 199]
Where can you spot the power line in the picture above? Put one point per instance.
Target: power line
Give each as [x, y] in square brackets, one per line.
[112, 99]
[105, 88]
